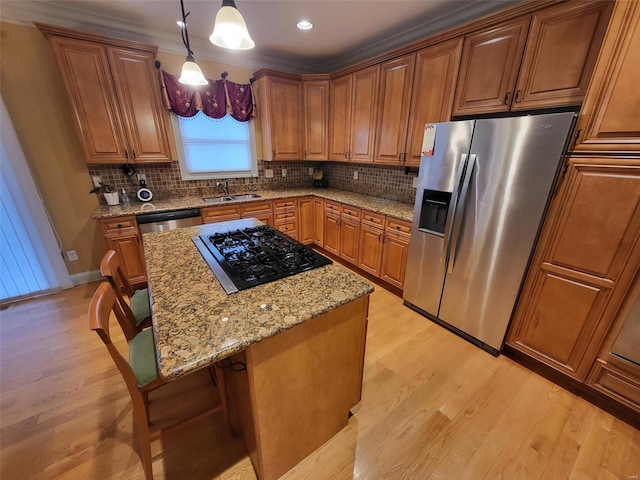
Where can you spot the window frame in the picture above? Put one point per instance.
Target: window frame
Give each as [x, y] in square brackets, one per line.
[185, 174]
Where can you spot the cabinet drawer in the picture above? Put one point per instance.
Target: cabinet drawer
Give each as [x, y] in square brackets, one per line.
[615, 383]
[116, 225]
[348, 211]
[284, 204]
[331, 206]
[284, 217]
[256, 207]
[219, 214]
[287, 228]
[373, 219]
[398, 226]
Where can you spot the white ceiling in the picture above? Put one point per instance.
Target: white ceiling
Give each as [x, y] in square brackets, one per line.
[345, 31]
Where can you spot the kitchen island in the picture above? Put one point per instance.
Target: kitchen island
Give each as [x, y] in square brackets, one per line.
[294, 347]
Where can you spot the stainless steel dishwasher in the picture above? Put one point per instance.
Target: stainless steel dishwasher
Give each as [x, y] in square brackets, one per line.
[158, 222]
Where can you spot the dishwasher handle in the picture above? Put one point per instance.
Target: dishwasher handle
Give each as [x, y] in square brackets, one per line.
[167, 216]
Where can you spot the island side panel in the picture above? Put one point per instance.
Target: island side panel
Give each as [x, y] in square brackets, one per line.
[302, 384]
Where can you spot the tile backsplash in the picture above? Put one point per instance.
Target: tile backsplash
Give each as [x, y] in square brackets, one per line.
[164, 179]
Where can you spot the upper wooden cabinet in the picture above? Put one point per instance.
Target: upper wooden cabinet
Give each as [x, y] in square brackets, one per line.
[610, 117]
[394, 102]
[433, 89]
[115, 95]
[352, 116]
[316, 119]
[280, 115]
[498, 74]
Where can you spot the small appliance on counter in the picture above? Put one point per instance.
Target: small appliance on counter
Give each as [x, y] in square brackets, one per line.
[144, 194]
[319, 180]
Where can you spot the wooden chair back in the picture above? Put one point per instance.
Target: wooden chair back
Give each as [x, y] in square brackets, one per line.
[110, 269]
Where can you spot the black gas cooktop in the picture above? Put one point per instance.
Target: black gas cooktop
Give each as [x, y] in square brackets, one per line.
[252, 256]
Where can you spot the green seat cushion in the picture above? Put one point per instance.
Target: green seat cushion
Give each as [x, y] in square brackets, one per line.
[140, 305]
[142, 357]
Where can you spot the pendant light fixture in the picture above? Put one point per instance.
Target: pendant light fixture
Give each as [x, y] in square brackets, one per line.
[191, 73]
[230, 30]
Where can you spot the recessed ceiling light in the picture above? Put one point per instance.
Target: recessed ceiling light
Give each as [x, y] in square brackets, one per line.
[305, 25]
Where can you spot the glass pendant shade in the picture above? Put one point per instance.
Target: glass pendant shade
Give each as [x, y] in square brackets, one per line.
[191, 74]
[230, 30]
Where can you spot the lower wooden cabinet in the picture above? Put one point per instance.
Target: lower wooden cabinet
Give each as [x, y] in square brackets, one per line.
[318, 221]
[220, 214]
[306, 220]
[371, 241]
[285, 216]
[123, 236]
[616, 383]
[332, 233]
[394, 259]
[263, 211]
[349, 239]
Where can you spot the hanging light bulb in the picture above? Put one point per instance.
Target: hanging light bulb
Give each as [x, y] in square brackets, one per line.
[230, 30]
[191, 73]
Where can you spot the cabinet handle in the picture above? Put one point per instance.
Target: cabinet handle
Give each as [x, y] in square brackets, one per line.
[126, 154]
[399, 157]
[517, 97]
[134, 154]
[506, 98]
[119, 225]
[273, 154]
[575, 139]
[379, 237]
[404, 158]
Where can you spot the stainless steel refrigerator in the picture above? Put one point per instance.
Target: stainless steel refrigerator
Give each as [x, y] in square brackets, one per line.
[483, 189]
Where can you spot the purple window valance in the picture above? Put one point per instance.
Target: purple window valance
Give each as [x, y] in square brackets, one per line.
[215, 100]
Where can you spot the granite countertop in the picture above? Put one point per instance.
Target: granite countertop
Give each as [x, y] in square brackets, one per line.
[402, 211]
[196, 323]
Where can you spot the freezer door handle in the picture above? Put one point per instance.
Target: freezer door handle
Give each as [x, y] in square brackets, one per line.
[459, 215]
[452, 209]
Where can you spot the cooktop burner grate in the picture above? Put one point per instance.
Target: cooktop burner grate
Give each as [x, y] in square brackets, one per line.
[253, 256]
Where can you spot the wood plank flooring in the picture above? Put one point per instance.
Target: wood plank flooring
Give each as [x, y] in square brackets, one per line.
[433, 406]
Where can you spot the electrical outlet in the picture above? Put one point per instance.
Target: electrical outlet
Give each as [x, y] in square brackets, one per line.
[142, 176]
[268, 173]
[415, 182]
[355, 175]
[72, 256]
[310, 171]
[284, 172]
[96, 180]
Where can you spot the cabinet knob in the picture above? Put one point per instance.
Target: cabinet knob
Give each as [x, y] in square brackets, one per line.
[506, 97]
[134, 154]
[126, 154]
[119, 225]
[517, 97]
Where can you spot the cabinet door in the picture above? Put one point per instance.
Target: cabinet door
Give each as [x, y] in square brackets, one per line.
[433, 88]
[220, 214]
[370, 250]
[396, 81]
[363, 116]
[316, 119]
[561, 52]
[609, 119]
[318, 221]
[305, 220]
[332, 234]
[340, 118]
[394, 259]
[489, 68]
[561, 321]
[349, 240]
[138, 95]
[129, 250]
[285, 109]
[87, 79]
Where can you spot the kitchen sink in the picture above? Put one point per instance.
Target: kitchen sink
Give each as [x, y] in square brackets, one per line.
[245, 196]
[218, 199]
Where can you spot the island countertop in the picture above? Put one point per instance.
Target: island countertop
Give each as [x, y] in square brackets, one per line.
[196, 323]
[393, 208]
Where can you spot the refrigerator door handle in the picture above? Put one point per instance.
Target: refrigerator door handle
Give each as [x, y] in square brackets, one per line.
[452, 210]
[460, 215]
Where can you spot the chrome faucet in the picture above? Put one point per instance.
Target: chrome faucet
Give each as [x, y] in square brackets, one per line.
[225, 187]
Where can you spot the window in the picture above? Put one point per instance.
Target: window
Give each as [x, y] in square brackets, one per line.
[215, 148]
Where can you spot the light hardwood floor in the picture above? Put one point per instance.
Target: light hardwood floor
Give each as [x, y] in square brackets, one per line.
[433, 406]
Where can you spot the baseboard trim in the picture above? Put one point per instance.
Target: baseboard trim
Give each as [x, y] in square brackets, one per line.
[86, 277]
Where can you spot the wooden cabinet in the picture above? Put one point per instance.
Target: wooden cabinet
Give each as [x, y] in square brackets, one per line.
[286, 216]
[115, 96]
[371, 238]
[220, 213]
[433, 89]
[497, 74]
[318, 221]
[610, 117]
[349, 233]
[123, 236]
[394, 102]
[589, 252]
[306, 220]
[394, 251]
[332, 232]
[316, 119]
[352, 115]
[263, 211]
[280, 115]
